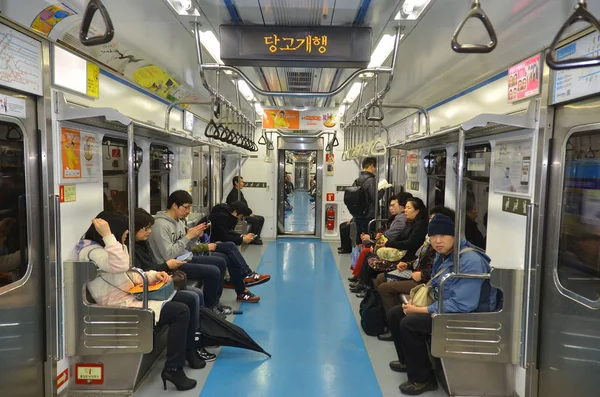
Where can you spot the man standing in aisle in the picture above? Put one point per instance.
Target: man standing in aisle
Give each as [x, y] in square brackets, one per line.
[361, 198]
[256, 222]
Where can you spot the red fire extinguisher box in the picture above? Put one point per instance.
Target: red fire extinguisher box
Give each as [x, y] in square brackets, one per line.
[331, 214]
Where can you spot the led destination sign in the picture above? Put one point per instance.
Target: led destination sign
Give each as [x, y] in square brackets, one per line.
[288, 45]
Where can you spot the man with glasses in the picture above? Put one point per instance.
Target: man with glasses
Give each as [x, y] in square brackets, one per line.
[170, 239]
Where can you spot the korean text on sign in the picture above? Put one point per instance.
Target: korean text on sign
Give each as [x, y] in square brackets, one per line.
[308, 43]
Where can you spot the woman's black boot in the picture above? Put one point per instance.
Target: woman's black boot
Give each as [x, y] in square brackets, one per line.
[177, 377]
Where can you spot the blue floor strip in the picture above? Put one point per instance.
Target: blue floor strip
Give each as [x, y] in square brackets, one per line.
[302, 217]
[305, 321]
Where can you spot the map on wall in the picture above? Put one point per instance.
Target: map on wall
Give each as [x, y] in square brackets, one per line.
[20, 61]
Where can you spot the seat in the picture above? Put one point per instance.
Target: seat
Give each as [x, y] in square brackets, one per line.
[123, 339]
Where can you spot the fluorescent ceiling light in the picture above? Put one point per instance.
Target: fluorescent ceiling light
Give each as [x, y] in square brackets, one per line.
[183, 7]
[411, 10]
[383, 50]
[212, 45]
[245, 90]
[353, 93]
[258, 108]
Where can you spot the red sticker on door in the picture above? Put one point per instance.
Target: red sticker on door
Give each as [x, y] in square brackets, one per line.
[62, 378]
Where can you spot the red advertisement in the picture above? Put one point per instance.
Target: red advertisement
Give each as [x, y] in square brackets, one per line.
[524, 79]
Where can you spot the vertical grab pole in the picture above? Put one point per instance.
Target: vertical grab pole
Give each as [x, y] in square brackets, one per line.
[458, 225]
[524, 361]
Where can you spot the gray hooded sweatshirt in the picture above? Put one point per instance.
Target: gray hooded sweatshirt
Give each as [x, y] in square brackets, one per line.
[168, 240]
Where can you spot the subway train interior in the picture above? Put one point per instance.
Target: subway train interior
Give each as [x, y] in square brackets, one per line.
[299, 198]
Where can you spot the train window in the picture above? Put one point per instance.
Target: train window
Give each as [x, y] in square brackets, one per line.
[114, 173]
[579, 244]
[13, 214]
[477, 174]
[436, 179]
[159, 178]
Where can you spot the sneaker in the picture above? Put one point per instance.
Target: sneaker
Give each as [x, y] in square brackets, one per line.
[204, 355]
[228, 284]
[225, 309]
[219, 312]
[414, 388]
[397, 366]
[248, 296]
[256, 279]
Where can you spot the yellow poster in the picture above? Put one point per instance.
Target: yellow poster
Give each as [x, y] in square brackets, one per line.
[93, 80]
[156, 80]
[50, 16]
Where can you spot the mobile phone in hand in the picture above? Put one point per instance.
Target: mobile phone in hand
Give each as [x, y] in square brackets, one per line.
[187, 255]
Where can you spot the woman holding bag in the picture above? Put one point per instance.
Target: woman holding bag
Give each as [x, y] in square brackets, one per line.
[104, 244]
[411, 325]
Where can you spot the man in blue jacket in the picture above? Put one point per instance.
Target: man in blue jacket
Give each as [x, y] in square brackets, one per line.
[411, 325]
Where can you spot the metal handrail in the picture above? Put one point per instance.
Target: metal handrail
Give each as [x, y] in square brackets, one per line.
[421, 109]
[88, 15]
[144, 282]
[526, 287]
[454, 274]
[476, 12]
[581, 14]
[181, 102]
[458, 223]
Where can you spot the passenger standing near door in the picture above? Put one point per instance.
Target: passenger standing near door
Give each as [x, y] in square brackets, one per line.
[361, 202]
[256, 222]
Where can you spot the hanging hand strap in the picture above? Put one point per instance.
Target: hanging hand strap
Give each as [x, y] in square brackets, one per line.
[476, 12]
[88, 15]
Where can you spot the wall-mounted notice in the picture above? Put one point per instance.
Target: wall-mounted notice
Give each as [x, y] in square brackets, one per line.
[290, 119]
[412, 166]
[12, 106]
[80, 155]
[524, 79]
[577, 83]
[511, 167]
[21, 60]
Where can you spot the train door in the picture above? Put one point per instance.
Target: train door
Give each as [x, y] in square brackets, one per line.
[569, 332]
[22, 329]
[200, 173]
[397, 173]
[160, 168]
[436, 177]
[114, 174]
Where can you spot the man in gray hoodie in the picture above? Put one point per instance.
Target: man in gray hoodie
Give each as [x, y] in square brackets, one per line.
[170, 239]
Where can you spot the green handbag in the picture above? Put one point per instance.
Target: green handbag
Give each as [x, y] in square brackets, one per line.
[390, 254]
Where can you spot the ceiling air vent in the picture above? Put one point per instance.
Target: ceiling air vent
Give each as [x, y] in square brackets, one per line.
[299, 81]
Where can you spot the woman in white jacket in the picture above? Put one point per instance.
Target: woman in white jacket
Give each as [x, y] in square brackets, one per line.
[103, 244]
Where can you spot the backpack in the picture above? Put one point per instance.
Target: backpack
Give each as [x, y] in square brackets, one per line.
[372, 314]
[355, 198]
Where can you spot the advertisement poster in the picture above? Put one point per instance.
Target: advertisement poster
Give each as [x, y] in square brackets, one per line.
[412, 166]
[289, 119]
[512, 167]
[93, 80]
[70, 143]
[50, 16]
[524, 79]
[80, 155]
[12, 106]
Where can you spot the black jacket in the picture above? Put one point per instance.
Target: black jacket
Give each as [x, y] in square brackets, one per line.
[222, 225]
[144, 259]
[369, 185]
[410, 239]
[232, 196]
[473, 235]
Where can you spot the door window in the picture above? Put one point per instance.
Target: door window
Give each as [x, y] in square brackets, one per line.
[13, 214]
[579, 244]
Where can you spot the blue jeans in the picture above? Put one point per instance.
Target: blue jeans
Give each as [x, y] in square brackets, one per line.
[238, 268]
[211, 269]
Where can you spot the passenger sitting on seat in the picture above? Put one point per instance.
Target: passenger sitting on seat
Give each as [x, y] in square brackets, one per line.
[411, 325]
[472, 232]
[144, 259]
[103, 244]
[256, 222]
[171, 240]
[390, 291]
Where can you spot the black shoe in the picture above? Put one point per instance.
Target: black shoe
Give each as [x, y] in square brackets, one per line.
[397, 366]
[353, 279]
[357, 289]
[177, 377]
[204, 355]
[386, 337]
[361, 294]
[256, 241]
[343, 251]
[414, 388]
[195, 361]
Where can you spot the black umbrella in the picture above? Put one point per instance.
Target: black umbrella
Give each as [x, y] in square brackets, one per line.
[218, 332]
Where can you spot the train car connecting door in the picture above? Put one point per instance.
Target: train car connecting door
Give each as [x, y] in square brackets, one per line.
[569, 333]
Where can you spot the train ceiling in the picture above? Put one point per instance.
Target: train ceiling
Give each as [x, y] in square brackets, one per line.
[427, 70]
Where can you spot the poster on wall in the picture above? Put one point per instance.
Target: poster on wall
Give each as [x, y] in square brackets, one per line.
[80, 155]
[511, 168]
[524, 79]
[290, 119]
[412, 166]
[46, 20]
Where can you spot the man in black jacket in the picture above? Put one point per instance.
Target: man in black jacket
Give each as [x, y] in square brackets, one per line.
[256, 222]
[223, 218]
[369, 186]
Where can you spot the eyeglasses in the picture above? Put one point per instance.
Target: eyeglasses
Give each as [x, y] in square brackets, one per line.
[186, 207]
[147, 228]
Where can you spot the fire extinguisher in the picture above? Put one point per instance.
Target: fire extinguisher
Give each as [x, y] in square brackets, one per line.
[330, 218]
